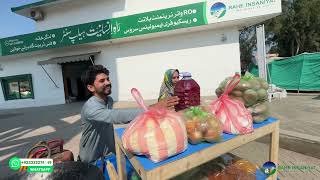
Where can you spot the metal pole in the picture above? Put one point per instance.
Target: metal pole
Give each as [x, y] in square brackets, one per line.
[91, 60]
[49, 76]
[261, 52]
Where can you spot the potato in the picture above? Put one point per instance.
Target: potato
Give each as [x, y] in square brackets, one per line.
[255, 84]
[262, 108]
[237, 93]
[251, 97]
[219, 91]
[224, 82]
[264, 85]
[240, 99]
[232, 96]
[262, 94]
[259, 118]
[243, 85]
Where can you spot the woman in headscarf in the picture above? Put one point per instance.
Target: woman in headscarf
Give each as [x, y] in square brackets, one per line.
[171, 77]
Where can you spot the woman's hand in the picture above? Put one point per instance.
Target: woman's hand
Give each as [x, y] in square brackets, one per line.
[167, 103]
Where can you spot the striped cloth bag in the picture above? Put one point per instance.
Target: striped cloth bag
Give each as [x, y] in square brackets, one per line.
[156, 133]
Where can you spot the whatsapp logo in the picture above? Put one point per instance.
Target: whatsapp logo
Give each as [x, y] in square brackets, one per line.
[14, 163]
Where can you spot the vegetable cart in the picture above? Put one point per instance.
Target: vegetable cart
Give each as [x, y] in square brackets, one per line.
[196, 155]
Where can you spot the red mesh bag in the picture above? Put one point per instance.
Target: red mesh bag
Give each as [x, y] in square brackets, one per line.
[156, 133]
[236, 119]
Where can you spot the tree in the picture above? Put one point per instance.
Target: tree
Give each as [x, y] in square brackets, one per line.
[248, 43]
[297, 30]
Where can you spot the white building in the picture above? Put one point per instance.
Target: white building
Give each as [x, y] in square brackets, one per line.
[137, 40]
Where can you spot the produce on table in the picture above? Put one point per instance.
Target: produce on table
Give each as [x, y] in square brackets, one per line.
[252, 92]
[155, 133]
[233, 115]
[250, 97]
[220, 169]
[260, 112]
[246, 166]
[202, 125]
[239, 171]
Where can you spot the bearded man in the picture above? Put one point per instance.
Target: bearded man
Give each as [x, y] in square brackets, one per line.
[98, 117]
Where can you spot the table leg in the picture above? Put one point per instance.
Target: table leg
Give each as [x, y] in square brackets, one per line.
[121, 163]
[274, 149]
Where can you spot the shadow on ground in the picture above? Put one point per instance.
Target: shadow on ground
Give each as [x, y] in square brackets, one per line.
[318, 97]
[22, 128]
[295, 144]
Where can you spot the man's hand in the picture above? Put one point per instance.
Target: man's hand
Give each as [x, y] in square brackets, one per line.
[167, 103]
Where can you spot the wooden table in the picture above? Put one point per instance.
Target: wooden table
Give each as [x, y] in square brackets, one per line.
[196, 155]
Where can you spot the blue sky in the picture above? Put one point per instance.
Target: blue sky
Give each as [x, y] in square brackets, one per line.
[12, 24]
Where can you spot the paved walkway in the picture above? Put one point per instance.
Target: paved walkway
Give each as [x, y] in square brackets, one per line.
[22, 128]
[258, 153]
[299, 115]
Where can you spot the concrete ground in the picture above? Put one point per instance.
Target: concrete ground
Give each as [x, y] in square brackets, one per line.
[300, 123]
[258, 153]
[299, 140]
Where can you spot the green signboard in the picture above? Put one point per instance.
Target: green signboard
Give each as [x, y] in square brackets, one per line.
[144, 23]
[191, 15]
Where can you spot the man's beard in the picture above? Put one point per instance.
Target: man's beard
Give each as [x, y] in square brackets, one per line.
[106, 90]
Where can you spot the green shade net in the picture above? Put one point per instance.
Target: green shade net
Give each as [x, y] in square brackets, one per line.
[301, 72]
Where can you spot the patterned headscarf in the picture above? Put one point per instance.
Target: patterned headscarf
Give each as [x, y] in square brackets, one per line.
[167, 88]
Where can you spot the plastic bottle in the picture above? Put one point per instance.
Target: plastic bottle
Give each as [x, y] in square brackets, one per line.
[188, 91]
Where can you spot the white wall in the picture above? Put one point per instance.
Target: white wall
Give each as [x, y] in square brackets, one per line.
[142, 64]
[45, 93]
[139, 64]
[83, 11]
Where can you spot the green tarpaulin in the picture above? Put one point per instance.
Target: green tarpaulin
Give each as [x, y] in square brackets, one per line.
[301, 72]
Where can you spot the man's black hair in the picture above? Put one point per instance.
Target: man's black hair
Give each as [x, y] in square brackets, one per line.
[89, 75]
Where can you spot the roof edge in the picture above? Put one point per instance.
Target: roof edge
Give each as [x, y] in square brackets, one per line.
[32, 5]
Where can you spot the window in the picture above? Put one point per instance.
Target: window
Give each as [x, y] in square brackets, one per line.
[17, 87]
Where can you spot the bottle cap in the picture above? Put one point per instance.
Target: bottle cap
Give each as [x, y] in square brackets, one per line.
[185, 74]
